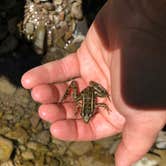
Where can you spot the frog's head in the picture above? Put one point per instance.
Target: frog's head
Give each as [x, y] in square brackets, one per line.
[86, 116]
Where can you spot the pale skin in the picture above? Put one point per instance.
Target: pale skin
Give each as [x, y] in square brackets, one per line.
[94, 60]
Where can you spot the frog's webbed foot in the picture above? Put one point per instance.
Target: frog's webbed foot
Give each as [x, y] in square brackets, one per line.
[77, 108]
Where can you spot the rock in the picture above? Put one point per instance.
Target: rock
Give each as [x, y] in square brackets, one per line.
[91, 160]
[6, 87]
[32, 145]
[76, 10]
[60, 146]
[28, 155]
[57, 2]
[18, 134]
[22, 95]
[35, 120]
[146, 162]
[7, 163]
[6, 149]
[107, 142]
[161, 140]
[80, 148]
[43, 137]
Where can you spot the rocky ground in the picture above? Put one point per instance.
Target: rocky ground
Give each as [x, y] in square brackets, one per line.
[25, 139]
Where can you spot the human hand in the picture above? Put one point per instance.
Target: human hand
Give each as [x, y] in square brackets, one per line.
[97, 60]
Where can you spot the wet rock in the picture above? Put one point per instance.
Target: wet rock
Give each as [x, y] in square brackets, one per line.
[161, 140]
[146, 162]
[80, 148]
[6, 149]
[28, 155]
[43, 137]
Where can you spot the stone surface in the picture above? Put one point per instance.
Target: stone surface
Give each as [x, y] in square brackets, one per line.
[28, 155]
[80, 148]
[161, 140]
[18, 134]
[6, 87]
[6, 149]
[43, 137]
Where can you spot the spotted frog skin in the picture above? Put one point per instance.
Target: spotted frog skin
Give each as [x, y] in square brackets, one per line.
[86, 100]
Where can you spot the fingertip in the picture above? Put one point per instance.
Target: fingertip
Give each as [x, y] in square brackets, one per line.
[42, 112]
[64, 130]
[50, 113]
[26, 81]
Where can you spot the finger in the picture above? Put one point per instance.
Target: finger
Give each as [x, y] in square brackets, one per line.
[55, 71]
[78, 130]
[135, 143]
[54, 112]
[51, 93]
[48, 93]
[51, 112]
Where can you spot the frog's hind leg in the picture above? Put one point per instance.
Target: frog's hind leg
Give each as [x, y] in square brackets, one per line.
[77, 108]
[72, 88]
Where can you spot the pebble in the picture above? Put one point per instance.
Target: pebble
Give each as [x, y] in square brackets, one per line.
[7, 163]
[6, 148]
[91, 160]
[32, 145]
[57, 2]
[146, 162]
[161, 140]
[18, 134]
[80, 148]
[43, 137]
[28, 155]
[35, 120]
[76, 10]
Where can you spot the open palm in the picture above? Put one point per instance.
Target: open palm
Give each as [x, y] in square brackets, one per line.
[97, 60]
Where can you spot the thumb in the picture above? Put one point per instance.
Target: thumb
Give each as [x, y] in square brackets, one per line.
[136, 141]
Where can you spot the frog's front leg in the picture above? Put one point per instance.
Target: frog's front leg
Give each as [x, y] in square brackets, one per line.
[103, 105]
[73, 87]
[99, 90]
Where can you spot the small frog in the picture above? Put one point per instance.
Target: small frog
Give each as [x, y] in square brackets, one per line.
[86, 100]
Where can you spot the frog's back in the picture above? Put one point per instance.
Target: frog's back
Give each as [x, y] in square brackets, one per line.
[88, 98]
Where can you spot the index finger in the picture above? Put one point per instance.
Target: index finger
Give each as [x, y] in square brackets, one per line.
[56, 71]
